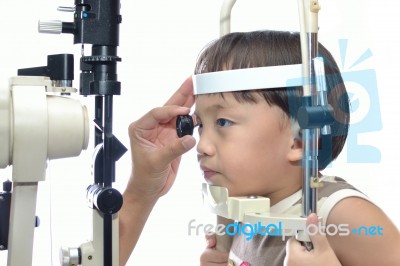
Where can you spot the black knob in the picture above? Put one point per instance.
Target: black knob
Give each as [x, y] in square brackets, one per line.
[184, 125]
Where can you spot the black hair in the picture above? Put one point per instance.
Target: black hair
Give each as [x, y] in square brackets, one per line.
[272, 48]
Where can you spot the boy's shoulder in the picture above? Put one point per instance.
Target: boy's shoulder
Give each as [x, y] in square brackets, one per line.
[332, 184]
[334, 189]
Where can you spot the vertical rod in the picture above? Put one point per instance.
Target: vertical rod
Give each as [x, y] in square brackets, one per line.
[98, 115]
[107, 233]
[308, 13]
[109, 173]
[310, 136]
[98, 137]
[109, 163]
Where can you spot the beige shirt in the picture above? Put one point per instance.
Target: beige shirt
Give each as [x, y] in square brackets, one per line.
[270, 250]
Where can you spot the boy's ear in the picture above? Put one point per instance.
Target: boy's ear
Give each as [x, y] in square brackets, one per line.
[296, 149]
[295, 153]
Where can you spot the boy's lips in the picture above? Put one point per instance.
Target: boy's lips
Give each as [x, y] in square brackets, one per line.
[207, 173]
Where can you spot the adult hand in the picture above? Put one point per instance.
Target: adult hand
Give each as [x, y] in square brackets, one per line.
[156, 151]
[155, 146]
[321, 254]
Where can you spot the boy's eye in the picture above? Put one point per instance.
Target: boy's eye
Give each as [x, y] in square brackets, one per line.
[197, 122]
[222, 122]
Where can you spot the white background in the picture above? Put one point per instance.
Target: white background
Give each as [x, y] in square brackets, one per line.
[160, 41]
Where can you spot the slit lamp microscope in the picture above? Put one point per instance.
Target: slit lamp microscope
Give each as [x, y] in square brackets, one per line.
[40, 122]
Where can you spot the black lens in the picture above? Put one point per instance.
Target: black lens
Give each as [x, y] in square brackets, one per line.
[184, 125]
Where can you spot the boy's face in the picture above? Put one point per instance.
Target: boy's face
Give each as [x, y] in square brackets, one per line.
[244, 147]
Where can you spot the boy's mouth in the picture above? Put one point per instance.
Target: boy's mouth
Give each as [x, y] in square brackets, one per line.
[207, 173]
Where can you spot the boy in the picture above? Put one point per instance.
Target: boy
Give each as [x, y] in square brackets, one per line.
[248, 144]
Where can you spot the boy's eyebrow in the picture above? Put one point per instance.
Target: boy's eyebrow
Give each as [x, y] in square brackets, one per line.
[214, 107]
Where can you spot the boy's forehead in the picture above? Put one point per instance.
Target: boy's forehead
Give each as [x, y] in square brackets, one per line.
[213, 101]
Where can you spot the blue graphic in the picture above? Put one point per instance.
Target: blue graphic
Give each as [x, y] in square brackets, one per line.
[365, 114]
[364, 107]
[368, 231]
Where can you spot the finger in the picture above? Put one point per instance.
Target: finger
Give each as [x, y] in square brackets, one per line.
[175, 149]
[211, 240]
[184, 95]
[294, 244]
[214, 256]
[312, 219]
[293, 248]
[319, 240]
[160, 115]
[295, 253]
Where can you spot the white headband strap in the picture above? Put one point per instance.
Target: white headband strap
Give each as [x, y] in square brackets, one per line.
[248, 79]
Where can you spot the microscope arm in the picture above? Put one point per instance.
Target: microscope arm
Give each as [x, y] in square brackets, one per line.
[36, 132]
[96, 22]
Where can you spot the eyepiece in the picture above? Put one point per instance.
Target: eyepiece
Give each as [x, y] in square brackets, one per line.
[184, 125]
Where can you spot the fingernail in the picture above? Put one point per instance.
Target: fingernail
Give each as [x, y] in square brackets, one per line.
[187, 143]
[184, 109]
[210, 243]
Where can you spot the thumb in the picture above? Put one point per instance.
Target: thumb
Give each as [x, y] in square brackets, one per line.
[317, 236]
[175, 149]
[211, 240]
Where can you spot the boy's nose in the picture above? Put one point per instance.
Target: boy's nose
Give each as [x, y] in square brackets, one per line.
[205, 146]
